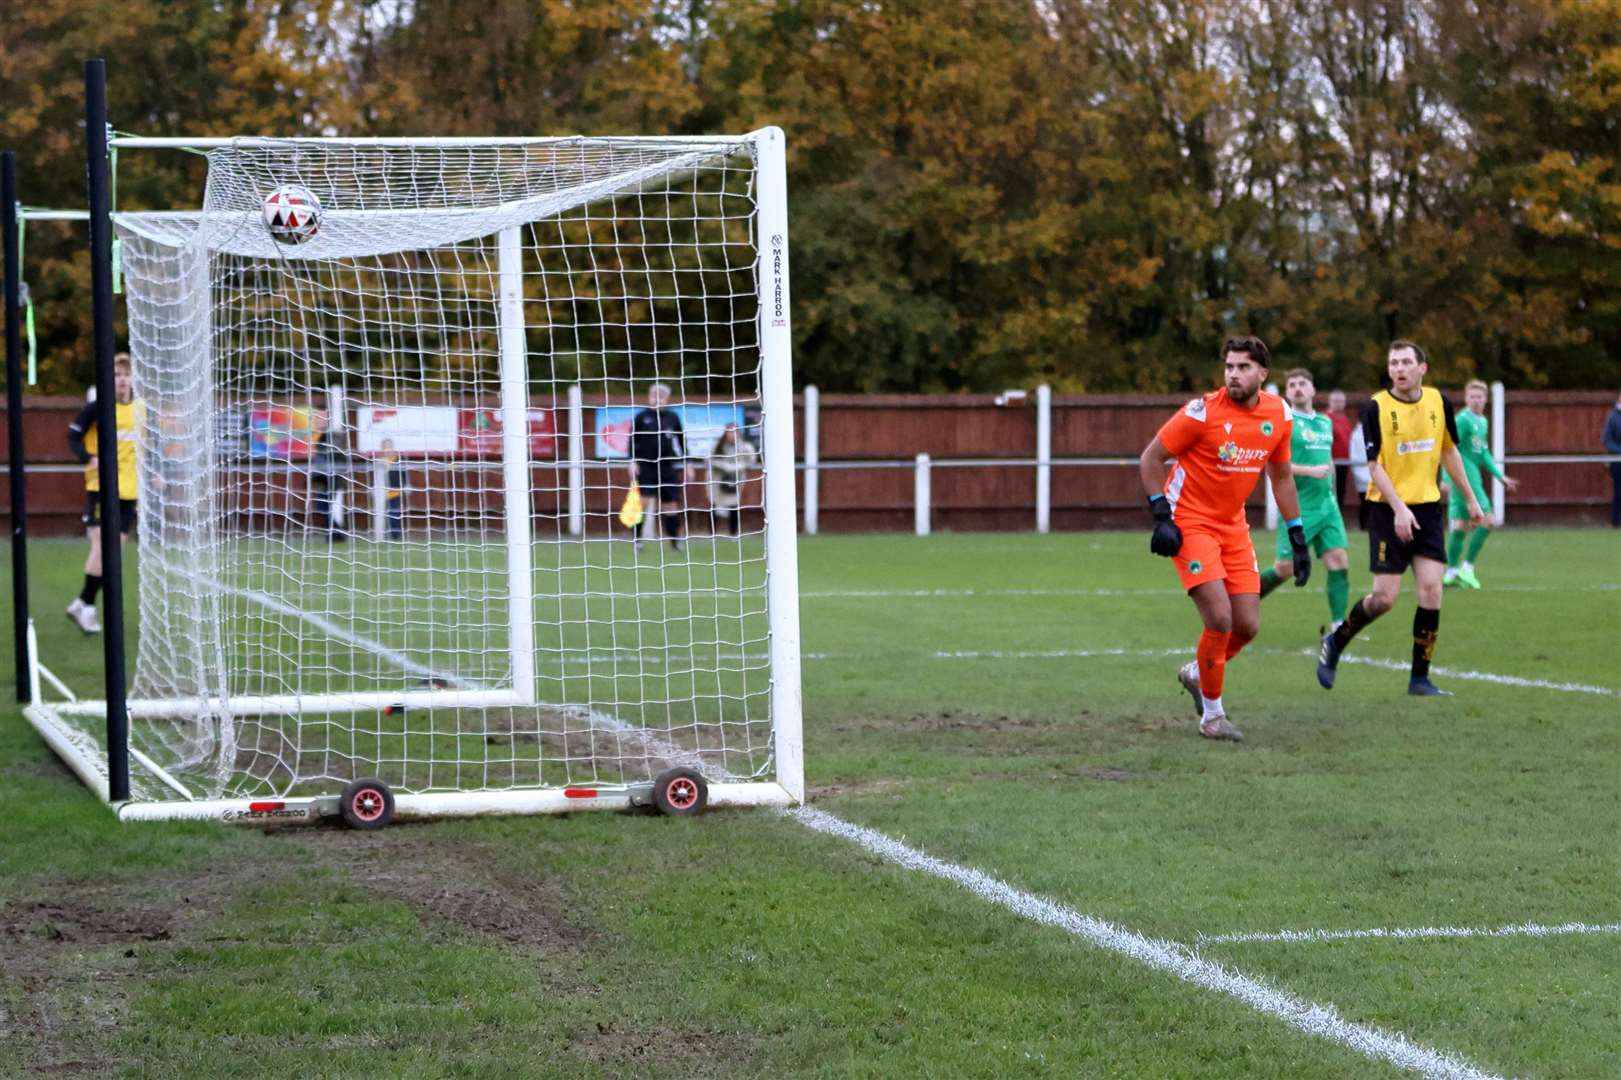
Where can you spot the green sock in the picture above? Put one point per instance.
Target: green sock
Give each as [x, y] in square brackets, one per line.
[1339, 594]
[1455, 548]
[1270, 579]
[1477, 540]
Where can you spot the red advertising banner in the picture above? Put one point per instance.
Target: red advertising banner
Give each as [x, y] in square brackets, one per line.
[479, 434]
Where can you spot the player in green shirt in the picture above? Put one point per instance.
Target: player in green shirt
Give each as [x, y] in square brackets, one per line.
[1311, 457]
[1475, 449]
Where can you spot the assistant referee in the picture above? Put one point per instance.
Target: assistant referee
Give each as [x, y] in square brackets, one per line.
[1410, 434]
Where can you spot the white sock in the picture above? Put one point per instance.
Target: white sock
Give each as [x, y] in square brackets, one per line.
[1467, 567]
[1452, 572]
[1213, 707]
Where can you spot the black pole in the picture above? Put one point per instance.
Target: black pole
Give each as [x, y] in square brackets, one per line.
[101, 295]
[14, 426]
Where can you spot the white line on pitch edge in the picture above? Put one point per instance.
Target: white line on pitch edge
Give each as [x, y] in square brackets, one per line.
[964, 594]
[1173, 959]
[1371, 661]
[1477, 676]
[1534, 930]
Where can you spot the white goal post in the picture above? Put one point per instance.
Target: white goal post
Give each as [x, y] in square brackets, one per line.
[373, 539]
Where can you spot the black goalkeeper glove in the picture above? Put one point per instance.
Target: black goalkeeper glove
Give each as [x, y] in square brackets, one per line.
[1167, 538]
[1302, 557]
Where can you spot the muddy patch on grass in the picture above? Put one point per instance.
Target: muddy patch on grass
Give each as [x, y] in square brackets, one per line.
[452, 887]
[622, 1049]
[74, 952]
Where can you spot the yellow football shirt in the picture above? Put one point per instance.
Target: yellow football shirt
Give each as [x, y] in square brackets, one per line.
[1408, 439]
[128, 417]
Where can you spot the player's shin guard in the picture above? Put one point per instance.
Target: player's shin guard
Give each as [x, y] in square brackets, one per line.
[1212, 654]
[1426, 624]
[1339, 594]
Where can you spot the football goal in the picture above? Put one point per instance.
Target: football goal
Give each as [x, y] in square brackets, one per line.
[387, 407]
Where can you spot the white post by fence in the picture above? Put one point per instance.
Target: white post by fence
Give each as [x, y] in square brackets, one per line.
[576, 463]
[379, 498]
[1271, 496]
[920, 487]
[1044, 458]
[338, 485]
[1499, 451]
[813, 456]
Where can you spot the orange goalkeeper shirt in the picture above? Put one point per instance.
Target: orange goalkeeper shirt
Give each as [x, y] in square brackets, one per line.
[1220, 451]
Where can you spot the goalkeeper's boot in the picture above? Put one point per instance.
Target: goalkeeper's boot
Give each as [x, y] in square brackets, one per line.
[1425, 688]
[1328, 660]
[1188, 676]
[1219, 727]
[1467, 579]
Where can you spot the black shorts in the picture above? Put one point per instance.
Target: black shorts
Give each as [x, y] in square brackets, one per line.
[662, 484]
[92, 513]
[1388, 554]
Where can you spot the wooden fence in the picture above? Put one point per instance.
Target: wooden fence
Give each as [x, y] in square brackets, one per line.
[867, 430]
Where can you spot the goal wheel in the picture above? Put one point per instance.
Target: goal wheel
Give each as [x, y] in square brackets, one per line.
[366, 804]
[680, 792]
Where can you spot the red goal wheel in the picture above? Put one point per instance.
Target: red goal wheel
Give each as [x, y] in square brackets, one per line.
[680, 792]
[366, 804]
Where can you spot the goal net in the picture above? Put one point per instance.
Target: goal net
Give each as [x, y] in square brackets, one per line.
[383, 459]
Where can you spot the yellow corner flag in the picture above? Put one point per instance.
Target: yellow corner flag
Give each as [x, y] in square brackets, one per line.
[630, 514]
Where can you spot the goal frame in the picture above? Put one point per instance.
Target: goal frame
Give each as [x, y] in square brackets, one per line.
[106, 771]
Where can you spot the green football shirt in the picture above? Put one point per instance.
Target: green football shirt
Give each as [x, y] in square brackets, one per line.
[1475, 448]
[1312, 443]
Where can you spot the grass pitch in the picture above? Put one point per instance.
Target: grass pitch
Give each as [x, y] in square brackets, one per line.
[1003, 702]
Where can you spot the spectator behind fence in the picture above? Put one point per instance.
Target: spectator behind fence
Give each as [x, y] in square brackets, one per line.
[729, 468]
[1358, 455]
[393, 491]
[1612, 445]
[1344, 424]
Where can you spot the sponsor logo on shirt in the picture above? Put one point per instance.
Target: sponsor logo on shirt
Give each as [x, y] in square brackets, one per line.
[1415, 446]
[1235, 457]
[1266, 427]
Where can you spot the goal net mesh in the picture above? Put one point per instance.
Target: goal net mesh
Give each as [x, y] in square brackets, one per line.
[357, 555]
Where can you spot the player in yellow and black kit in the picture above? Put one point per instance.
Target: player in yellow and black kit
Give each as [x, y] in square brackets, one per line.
[85, 442]
[1410, 433]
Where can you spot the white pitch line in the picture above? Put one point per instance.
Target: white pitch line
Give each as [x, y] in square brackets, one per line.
[964, 594]
[1477, 676]
[955, 594]
[1049, 654]
[1534, 930]
[333, 630]
[1323, 1021]
[1371, 661]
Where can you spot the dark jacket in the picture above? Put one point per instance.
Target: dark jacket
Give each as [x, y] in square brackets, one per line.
[1612, 431]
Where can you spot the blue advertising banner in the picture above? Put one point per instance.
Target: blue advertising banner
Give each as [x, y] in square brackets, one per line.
[702, 424]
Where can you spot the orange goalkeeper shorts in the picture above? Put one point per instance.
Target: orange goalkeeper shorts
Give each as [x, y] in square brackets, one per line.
[1218, 553]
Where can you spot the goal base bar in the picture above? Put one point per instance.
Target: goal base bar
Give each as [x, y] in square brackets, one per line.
[445, 804]
[87, 759]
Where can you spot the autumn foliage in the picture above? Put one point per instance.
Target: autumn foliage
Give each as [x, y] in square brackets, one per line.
[1084, 192]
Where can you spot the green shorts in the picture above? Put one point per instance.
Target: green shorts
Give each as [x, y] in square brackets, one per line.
[1324, 532]
[1458, 506]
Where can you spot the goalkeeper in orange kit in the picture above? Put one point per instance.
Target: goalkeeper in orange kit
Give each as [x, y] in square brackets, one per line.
[1221, 442]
